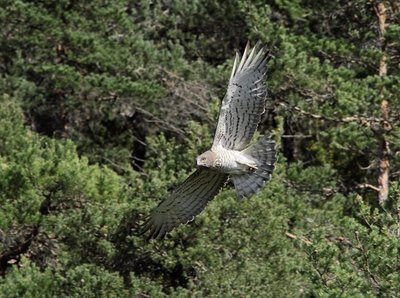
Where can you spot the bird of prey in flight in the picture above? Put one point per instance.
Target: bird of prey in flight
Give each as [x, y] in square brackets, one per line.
[231, 156]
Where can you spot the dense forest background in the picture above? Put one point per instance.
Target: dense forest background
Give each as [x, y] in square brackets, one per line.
[105, 104]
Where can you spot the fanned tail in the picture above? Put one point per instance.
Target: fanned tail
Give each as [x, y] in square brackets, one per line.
[264, 153]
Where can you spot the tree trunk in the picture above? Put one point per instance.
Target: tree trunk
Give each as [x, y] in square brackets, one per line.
[384, 165]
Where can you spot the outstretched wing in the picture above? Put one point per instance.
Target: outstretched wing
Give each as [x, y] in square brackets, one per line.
[244, 101]
[185, 202]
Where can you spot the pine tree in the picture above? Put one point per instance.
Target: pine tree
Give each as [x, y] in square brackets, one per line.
[104, 107]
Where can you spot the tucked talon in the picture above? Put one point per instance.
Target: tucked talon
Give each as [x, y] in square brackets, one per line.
[252, 168]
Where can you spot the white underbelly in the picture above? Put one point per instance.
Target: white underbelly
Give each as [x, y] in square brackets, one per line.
[234, 162]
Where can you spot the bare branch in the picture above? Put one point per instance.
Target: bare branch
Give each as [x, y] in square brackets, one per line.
[296, 136]
[367, 185]
[302, 238]
[364, 121]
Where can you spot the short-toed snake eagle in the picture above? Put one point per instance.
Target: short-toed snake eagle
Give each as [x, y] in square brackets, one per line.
[250, 167]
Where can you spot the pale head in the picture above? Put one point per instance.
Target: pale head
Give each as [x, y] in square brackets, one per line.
[207, 159]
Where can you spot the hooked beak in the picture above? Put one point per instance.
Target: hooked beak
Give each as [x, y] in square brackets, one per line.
[200, 164]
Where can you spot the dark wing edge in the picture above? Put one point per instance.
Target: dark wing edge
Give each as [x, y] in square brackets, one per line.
[244, 102]
[185, 202]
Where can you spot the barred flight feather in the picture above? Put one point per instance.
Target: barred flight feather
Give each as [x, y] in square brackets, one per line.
[240, 114]
[185, 202]
[244, 102]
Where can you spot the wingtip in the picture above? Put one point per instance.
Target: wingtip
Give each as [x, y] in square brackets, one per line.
[237, 58]
[244, 57]
[255, 56]
[155, 230]
[247, 45]
[145, 226]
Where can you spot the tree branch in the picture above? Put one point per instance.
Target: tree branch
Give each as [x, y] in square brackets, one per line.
[364, 121]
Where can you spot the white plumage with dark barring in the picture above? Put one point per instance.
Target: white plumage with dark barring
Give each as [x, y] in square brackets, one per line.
[231, 156]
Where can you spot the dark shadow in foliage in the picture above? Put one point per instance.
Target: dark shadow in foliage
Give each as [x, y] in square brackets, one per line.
[13, 254]
[139, 132]
[211, 30]
[132, 256]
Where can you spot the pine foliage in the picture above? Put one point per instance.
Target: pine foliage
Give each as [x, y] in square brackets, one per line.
[105, 105]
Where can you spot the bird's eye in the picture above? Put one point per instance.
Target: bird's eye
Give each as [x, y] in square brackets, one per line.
[203, 159]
